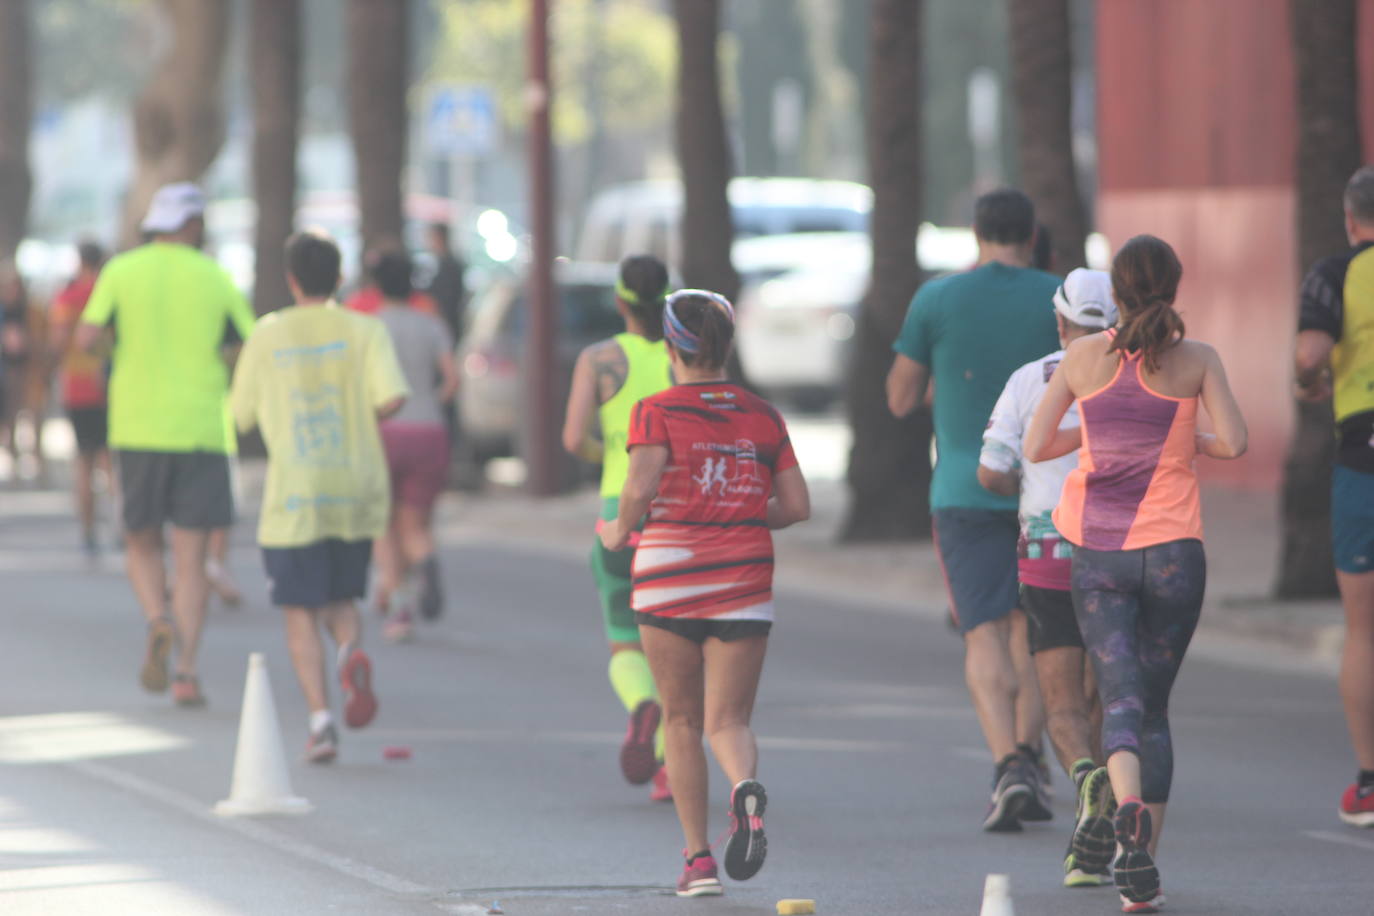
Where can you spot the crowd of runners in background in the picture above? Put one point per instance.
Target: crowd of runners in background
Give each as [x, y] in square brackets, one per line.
[1065, 502]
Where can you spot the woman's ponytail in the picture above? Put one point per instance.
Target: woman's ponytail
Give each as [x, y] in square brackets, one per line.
[1145, 276]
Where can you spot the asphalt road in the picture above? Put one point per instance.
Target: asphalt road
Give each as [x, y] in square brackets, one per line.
[870, 752]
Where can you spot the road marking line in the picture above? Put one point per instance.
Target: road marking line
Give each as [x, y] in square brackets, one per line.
[254, 831]
[772, 742]
[1328, 837]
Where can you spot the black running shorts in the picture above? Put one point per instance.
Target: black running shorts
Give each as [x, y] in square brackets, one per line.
[1050, 622]
[189, 489]
[90, 425]
[698, 629]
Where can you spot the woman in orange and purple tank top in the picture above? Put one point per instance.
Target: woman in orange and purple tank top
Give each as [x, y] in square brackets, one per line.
[1132, 511]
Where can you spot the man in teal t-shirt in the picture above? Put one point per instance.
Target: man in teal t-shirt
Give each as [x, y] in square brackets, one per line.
[968, 333]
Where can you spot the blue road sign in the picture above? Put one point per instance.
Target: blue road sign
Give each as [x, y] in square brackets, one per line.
[460, 121]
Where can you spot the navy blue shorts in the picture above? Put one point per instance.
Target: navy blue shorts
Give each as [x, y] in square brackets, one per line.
[977, 549]
[312, 576]
[1352, 519]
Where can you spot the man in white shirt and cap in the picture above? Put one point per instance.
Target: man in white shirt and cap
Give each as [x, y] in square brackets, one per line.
[1083, 305]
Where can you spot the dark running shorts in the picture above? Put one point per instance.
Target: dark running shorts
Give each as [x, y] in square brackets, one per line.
[1352, 519]
[698, 629]
[189, 489]
[1049, 618]
[90, 426]
[326, 572]
[977, 550]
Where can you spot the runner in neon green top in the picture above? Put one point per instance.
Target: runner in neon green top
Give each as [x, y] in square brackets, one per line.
[609, 379]
[646, 364]
[175, 314]
[173, 309]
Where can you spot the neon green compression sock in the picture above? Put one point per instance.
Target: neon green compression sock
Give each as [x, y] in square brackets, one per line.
[631, 678]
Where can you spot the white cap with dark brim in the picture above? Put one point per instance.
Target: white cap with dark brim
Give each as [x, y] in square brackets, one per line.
[1085, 298]
[172, 206]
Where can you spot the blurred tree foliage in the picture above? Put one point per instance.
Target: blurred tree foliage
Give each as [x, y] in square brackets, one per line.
[959, 38]
[482, 43]
[91, 47]
[771, 32]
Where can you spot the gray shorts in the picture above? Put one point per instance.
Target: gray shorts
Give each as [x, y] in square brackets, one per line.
[189, 489]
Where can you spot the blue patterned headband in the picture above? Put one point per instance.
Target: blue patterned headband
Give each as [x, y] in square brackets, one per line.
[676, 332]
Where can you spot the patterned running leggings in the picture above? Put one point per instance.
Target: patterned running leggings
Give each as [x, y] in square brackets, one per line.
[1137, 610]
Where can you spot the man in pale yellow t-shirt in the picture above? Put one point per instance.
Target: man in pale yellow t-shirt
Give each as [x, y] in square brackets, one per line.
[315, 379]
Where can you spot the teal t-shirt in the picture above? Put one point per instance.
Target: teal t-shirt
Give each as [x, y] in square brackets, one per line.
[973, 330]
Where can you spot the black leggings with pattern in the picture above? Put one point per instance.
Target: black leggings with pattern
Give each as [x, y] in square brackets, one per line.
[1137, 610]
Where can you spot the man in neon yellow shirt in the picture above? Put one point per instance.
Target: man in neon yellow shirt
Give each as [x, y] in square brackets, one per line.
[316, 379]
[175, 314]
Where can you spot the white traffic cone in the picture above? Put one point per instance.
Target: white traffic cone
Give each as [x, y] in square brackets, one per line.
[997, 896]
[261, 784]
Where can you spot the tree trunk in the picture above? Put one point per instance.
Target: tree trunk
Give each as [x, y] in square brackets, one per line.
[1042, 84]
[179, 118]
[16, 113]
[276, 61]
[1328, 152]
[889, 465]
[378, 74]
[703, 152]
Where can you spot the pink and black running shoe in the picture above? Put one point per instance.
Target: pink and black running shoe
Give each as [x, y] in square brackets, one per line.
[747, 846]
[1134, 871]
[699, 878]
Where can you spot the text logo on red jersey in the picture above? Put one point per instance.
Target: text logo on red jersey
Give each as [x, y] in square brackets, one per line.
[728, 469]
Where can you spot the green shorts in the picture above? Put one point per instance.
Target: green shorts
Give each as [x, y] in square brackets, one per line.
[612, 573]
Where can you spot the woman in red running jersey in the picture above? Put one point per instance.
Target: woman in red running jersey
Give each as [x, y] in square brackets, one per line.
[713, 467]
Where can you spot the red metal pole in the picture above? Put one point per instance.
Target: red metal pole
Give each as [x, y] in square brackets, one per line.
[541, 446]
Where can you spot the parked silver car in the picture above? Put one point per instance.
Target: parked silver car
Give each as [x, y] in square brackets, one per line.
[491, 357]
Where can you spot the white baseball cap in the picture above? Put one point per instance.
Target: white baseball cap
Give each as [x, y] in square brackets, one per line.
[1085, 298]
[172, 206]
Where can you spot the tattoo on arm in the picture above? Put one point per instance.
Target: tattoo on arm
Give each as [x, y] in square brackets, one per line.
[610, 369]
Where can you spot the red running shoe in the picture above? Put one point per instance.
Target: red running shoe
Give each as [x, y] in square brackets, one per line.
[637, 759]
[661, 791]
[1357, 808]
[699, 878]
[186, 691]
[360, 703]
